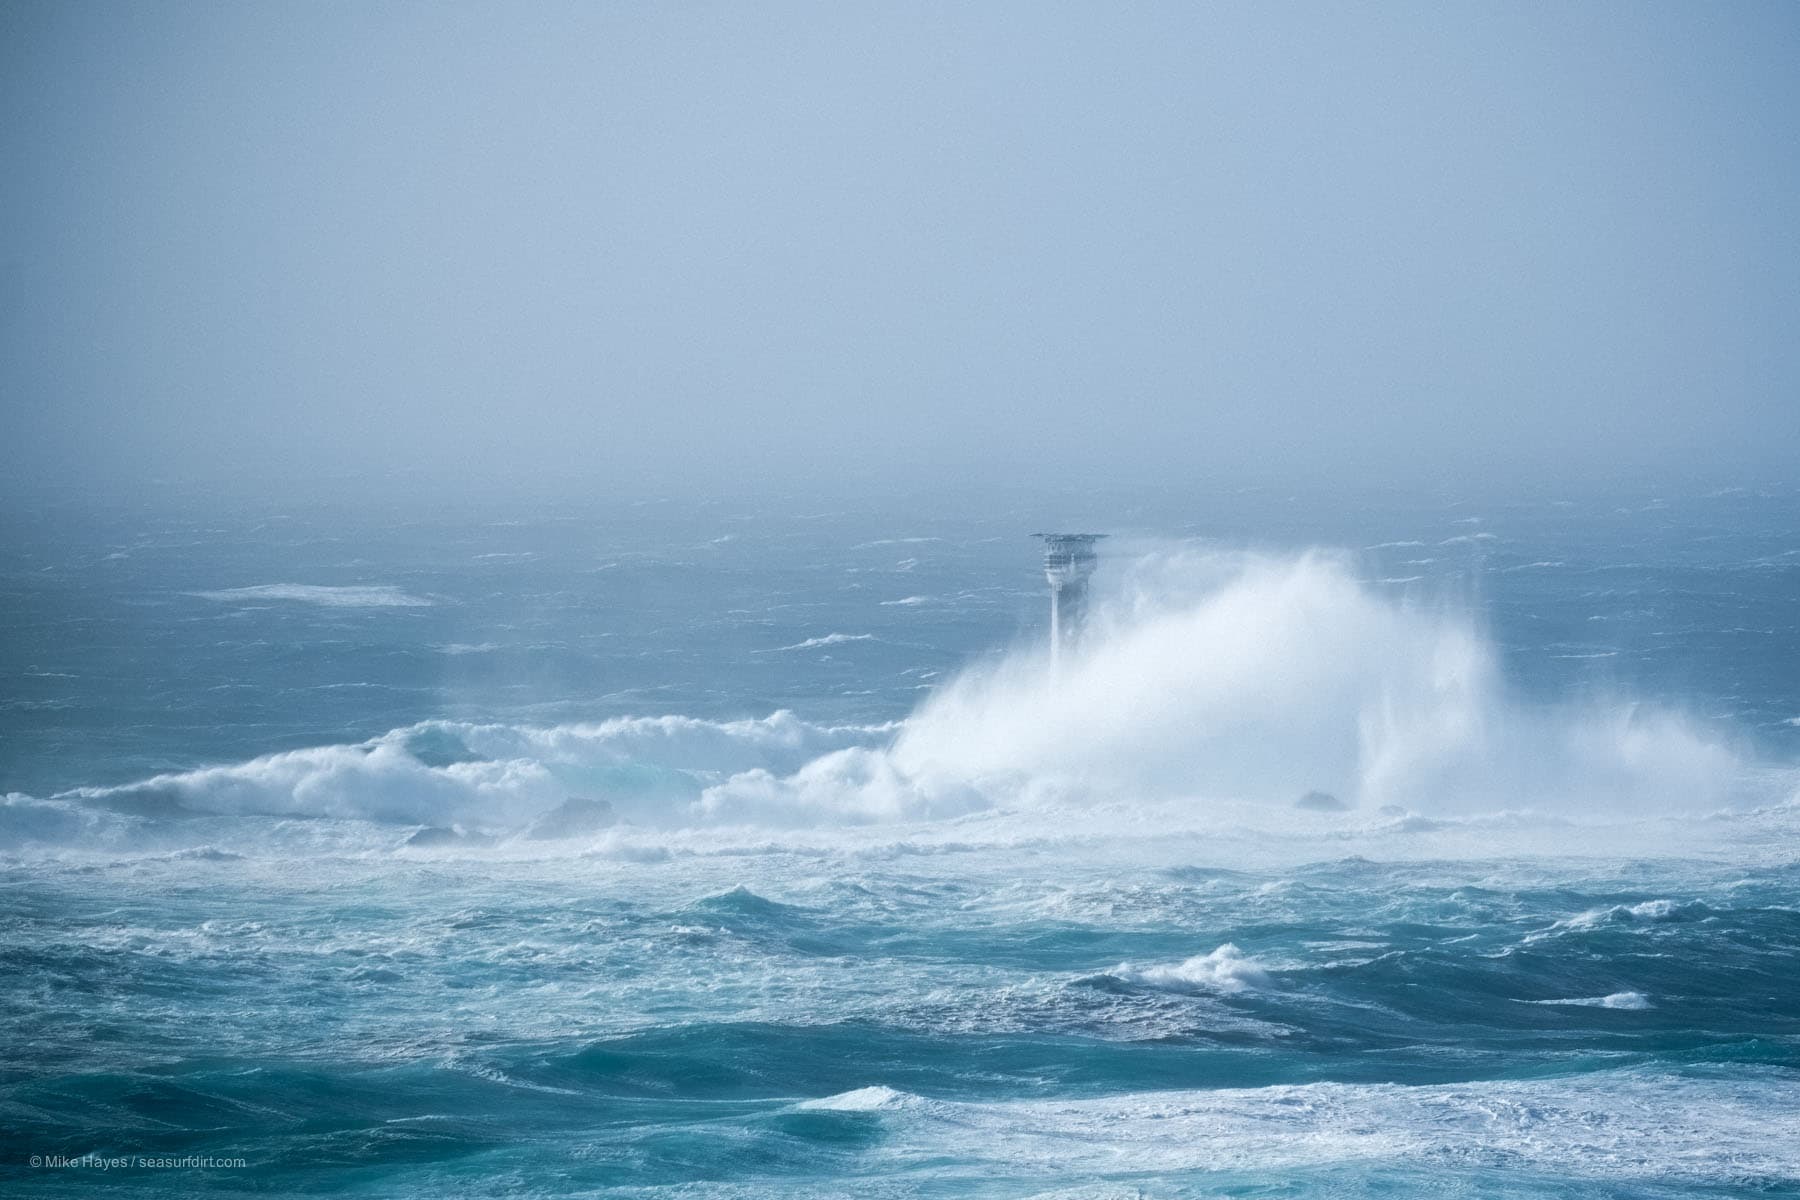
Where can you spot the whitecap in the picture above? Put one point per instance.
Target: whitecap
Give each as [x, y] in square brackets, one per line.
[865, 1099]
[1635, 1001]
[830, 639]
[1226, 969]
[1646, 912]
[325, 597]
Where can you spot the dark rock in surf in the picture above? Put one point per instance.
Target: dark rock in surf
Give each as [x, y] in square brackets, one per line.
[574, 817]
[437, 837]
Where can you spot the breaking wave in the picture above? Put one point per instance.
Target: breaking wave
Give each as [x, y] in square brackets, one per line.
[1226, 969]
[1266, 678]
[445, 773]
[1611, 1127]
[1207, 681]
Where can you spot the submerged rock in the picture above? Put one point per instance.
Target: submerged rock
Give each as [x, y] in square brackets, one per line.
[436, 746]
[1321, 802]
[574, 817]
[436, 837]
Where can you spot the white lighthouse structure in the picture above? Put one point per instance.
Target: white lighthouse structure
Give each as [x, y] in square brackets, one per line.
[1068, 561]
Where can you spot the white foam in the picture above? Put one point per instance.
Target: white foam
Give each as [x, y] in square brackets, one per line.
[1635, 1001]
[1226, 969]
[1609, 1126]
[867, 1099]
[1653, 910]
[830, 639]
[460, 648]
[1208, 683]
[652, 768]
[1266, 678]
[327, 597]
[1647, 911]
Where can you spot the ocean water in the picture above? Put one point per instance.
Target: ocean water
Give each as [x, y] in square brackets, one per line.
[1386, 845]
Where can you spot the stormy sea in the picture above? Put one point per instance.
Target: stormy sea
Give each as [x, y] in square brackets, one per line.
[1397, 845]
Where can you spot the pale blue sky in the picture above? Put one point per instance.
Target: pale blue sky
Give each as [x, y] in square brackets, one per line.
[660, 246]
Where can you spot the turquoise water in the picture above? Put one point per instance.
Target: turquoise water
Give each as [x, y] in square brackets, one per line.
[728, 850]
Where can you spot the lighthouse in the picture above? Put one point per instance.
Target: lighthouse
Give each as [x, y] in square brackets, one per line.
[1068, 561]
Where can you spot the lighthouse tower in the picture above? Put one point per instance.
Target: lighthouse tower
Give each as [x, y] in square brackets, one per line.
[1068, 561]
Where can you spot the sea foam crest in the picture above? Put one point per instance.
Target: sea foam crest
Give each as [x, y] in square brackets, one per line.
[1629, 1001]
[319, 594]
[1226, 969]
[1615, 1128]
[1647, 912]
[866, 1099]
[440, 772]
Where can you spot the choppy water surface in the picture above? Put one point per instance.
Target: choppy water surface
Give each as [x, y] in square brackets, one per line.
[756, 851]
